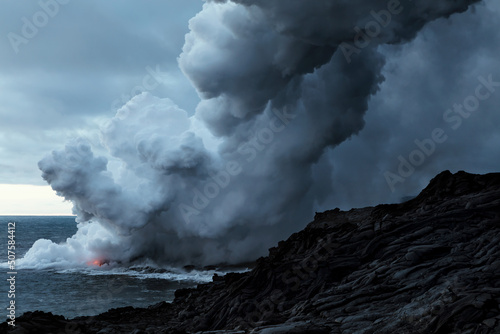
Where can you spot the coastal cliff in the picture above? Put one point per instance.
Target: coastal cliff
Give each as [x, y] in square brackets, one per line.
[429, 265]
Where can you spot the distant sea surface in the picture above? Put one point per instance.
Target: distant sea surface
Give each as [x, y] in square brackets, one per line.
[79, 292]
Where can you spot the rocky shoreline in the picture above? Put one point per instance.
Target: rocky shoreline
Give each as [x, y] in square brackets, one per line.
[429, 265]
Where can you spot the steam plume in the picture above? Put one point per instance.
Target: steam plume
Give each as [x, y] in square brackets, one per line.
[280, 82]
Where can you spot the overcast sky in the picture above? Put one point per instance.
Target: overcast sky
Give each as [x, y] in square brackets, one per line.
[78, 69]
[63, 79]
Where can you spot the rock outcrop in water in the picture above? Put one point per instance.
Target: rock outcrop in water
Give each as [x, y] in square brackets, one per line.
[429, 265]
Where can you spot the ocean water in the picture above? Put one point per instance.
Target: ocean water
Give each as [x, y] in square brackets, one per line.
[75, 292]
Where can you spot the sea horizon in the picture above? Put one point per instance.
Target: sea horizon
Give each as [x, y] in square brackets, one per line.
[39, 215]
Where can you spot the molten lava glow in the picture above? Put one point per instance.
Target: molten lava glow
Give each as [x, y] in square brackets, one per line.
[95, 263]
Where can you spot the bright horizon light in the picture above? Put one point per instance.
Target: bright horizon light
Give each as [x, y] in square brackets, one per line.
[31, 200]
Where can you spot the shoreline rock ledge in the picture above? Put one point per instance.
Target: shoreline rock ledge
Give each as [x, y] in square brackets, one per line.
[429, 265]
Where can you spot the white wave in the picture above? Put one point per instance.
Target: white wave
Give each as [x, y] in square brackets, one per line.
[172, 274]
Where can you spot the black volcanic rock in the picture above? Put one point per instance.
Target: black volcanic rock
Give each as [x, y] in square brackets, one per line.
[429, 265]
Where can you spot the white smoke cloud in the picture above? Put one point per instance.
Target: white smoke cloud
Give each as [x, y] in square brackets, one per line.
[247, 168]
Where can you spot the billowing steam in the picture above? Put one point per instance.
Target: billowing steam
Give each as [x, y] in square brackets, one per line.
[280, 82]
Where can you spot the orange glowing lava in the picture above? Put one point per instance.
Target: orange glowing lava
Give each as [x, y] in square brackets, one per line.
[94, 263]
